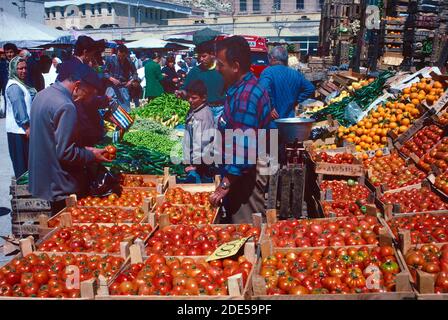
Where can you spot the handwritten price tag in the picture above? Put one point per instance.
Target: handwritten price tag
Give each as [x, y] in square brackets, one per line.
[227, 249]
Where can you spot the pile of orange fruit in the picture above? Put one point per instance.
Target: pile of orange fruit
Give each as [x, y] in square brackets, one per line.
[371, 132]
[426, 90]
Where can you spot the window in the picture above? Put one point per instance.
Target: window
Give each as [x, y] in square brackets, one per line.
[300, 4]
[53, 12]
[47, 12]
[151, 14]
[62, 11]
[98, 8]
[243, 5]
[256, 5]
[321, 4]
[92, 9]
[82, 8]
[109, 8]
[146, 13]
[277, 5]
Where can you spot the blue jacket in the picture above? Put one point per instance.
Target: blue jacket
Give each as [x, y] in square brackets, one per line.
[285, 87]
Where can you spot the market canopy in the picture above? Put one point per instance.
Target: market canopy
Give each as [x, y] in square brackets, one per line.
[153, 43]
[204, 35]
[26, 34]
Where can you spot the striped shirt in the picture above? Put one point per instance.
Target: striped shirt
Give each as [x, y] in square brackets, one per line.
[246, 107]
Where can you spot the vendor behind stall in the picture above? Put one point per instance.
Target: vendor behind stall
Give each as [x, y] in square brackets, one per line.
[56, 161]
[286, 87]
[246, 109]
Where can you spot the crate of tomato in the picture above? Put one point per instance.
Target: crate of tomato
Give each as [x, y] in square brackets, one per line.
[53, 276]
[145, 182]
[411, 199]
[158, 277]
[332, 273]
[317, 233]
[199, 240]
[339, 198]
[428, 266]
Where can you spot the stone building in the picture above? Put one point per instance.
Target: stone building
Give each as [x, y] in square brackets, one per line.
[242, 7]
[99, 14]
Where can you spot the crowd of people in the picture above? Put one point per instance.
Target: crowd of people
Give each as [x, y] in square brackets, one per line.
[55, 118]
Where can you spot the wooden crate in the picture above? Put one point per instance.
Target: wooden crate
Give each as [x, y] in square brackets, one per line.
[72, 202]
[348, 170]
[87, 287]
[384, 237]
[198, 187]
[29, 204]
[161, 182]
[424, 282]
[235, 288]
[392, 210]
[403, 285]
[124, 252]
[164, 218]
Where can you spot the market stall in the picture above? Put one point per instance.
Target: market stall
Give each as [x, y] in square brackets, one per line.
[367, 218]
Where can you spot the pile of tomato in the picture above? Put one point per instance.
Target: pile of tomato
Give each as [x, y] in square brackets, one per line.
[331, 271]
[423, 141]
[45, 276]
[339, 158]
[93, 238]
[172, 276]
[345, 190]
[441, 182]
[344, 208]
[437, 157]
[101, 215]
[179, 196]
[415, 200]
[185, 240]
[126, 199]
[431, 259]
[322, 233]
[186, 214]
[393, 172]
[133, 181]
[424, 228]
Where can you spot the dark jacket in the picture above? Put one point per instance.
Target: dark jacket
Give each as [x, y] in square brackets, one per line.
[55, 161]
[168, 85]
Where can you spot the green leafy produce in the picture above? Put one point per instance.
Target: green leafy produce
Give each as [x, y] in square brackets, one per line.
[363, 97]
[140, 160]
[166, 109]
[151, 140]
[151, 125]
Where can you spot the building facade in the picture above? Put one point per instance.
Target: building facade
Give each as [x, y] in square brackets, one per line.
[100, 14]
[242, 7]
[30, 10]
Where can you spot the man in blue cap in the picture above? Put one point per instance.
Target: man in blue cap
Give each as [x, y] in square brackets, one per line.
[90, 121]
[56, 160]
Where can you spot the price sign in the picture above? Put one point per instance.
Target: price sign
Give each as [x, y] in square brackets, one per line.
[227, 249]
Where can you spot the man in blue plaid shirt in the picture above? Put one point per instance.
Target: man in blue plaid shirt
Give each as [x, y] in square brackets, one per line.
[246, 111]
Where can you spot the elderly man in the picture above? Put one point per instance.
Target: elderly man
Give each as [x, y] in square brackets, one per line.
[56, 161]
[246, 111]
[286, 87]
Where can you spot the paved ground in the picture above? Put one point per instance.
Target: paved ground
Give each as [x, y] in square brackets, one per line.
[6, 173]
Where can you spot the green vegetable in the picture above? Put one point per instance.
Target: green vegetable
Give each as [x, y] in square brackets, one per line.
[166, 109]
[151, 125]
[153, 141]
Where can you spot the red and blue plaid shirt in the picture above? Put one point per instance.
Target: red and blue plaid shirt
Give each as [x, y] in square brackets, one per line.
[247, 106]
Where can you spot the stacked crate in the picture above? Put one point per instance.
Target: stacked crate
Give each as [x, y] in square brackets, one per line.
[26, 210]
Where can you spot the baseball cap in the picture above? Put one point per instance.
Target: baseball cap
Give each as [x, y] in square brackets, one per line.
[87, 43]
[79, 72]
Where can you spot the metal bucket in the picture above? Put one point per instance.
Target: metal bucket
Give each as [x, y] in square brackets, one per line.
[294, 129]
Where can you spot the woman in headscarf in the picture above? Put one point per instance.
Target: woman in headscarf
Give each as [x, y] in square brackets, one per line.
[18, 106]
